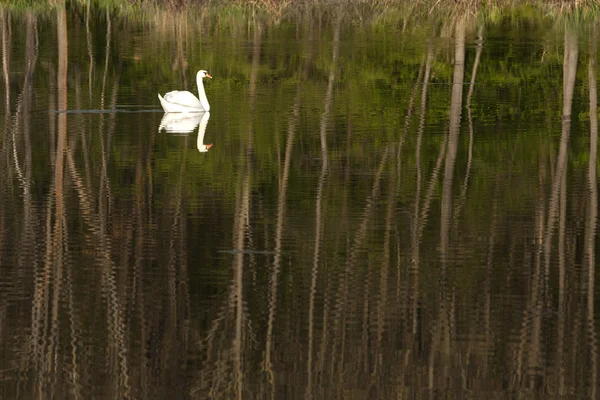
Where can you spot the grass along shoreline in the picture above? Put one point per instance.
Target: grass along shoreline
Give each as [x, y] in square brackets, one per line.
[362, 8]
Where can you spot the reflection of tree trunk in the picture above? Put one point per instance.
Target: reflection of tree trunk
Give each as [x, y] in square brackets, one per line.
[240, 231]
[318, 211]
[408, 120]
[281, 206]
[490, 263]
[105, 146]
[462, 200]
[115, 319]
[5, 176]
[241, 223]
[43, 304]
[395, 183]
[592, 219]
[91, 219]
[4, 22]
[562, 307]
[113, 116]
[52, 97]
[455, 114]
[180, 61]
[177, 256]
[22, 113]
[417, 227]
[442, 328]
[31, 50]
[5, 25]
[383, 278]
[529, 320]
[348, 275]
[343, 242]
[62, 105]
[86, 132]
[557, 206]
[29, 220]
[21, 147]
[59, 231]
[88, 37]
[106, 58]
[463, 190]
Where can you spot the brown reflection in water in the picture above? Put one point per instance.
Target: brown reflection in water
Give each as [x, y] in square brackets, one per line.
[4, 158]
[225, 343]
[463, 191]
[592, 218]
[90, 51]
[318, 206]
[558, 199]
[347, 301]
[241, 226]
[443, 330]
[419, 223]
[455, 114]
[5, 27]
[45, 329]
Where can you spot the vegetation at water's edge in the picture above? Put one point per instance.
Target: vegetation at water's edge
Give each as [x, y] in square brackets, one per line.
[363, 8]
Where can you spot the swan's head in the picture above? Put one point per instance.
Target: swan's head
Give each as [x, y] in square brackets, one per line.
[204, 74]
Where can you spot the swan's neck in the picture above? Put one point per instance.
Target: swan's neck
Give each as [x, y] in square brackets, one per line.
[202, 94]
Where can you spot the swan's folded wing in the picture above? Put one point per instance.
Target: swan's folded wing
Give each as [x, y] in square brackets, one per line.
[183, 98]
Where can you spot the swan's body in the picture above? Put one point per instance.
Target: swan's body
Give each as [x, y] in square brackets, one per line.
[183, 101]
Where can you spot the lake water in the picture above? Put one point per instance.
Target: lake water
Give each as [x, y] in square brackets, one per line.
[391, 208]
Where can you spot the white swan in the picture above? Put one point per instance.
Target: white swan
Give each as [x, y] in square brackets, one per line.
[184, 101]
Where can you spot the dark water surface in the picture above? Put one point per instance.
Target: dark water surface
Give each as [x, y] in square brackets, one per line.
[388, 210]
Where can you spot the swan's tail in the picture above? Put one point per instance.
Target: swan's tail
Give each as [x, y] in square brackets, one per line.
[163, 106]
[162, 102]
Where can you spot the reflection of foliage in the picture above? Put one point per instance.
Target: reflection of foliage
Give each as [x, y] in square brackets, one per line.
[517, 78]
[378, 63]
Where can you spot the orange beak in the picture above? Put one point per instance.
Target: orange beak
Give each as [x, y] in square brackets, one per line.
[208, 75]
[208, 146]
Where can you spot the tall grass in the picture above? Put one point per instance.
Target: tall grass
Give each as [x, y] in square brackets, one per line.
[361, 10]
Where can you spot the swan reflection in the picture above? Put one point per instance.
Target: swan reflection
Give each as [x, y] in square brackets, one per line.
[186, 123]
[203, 122]
[180, 122]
